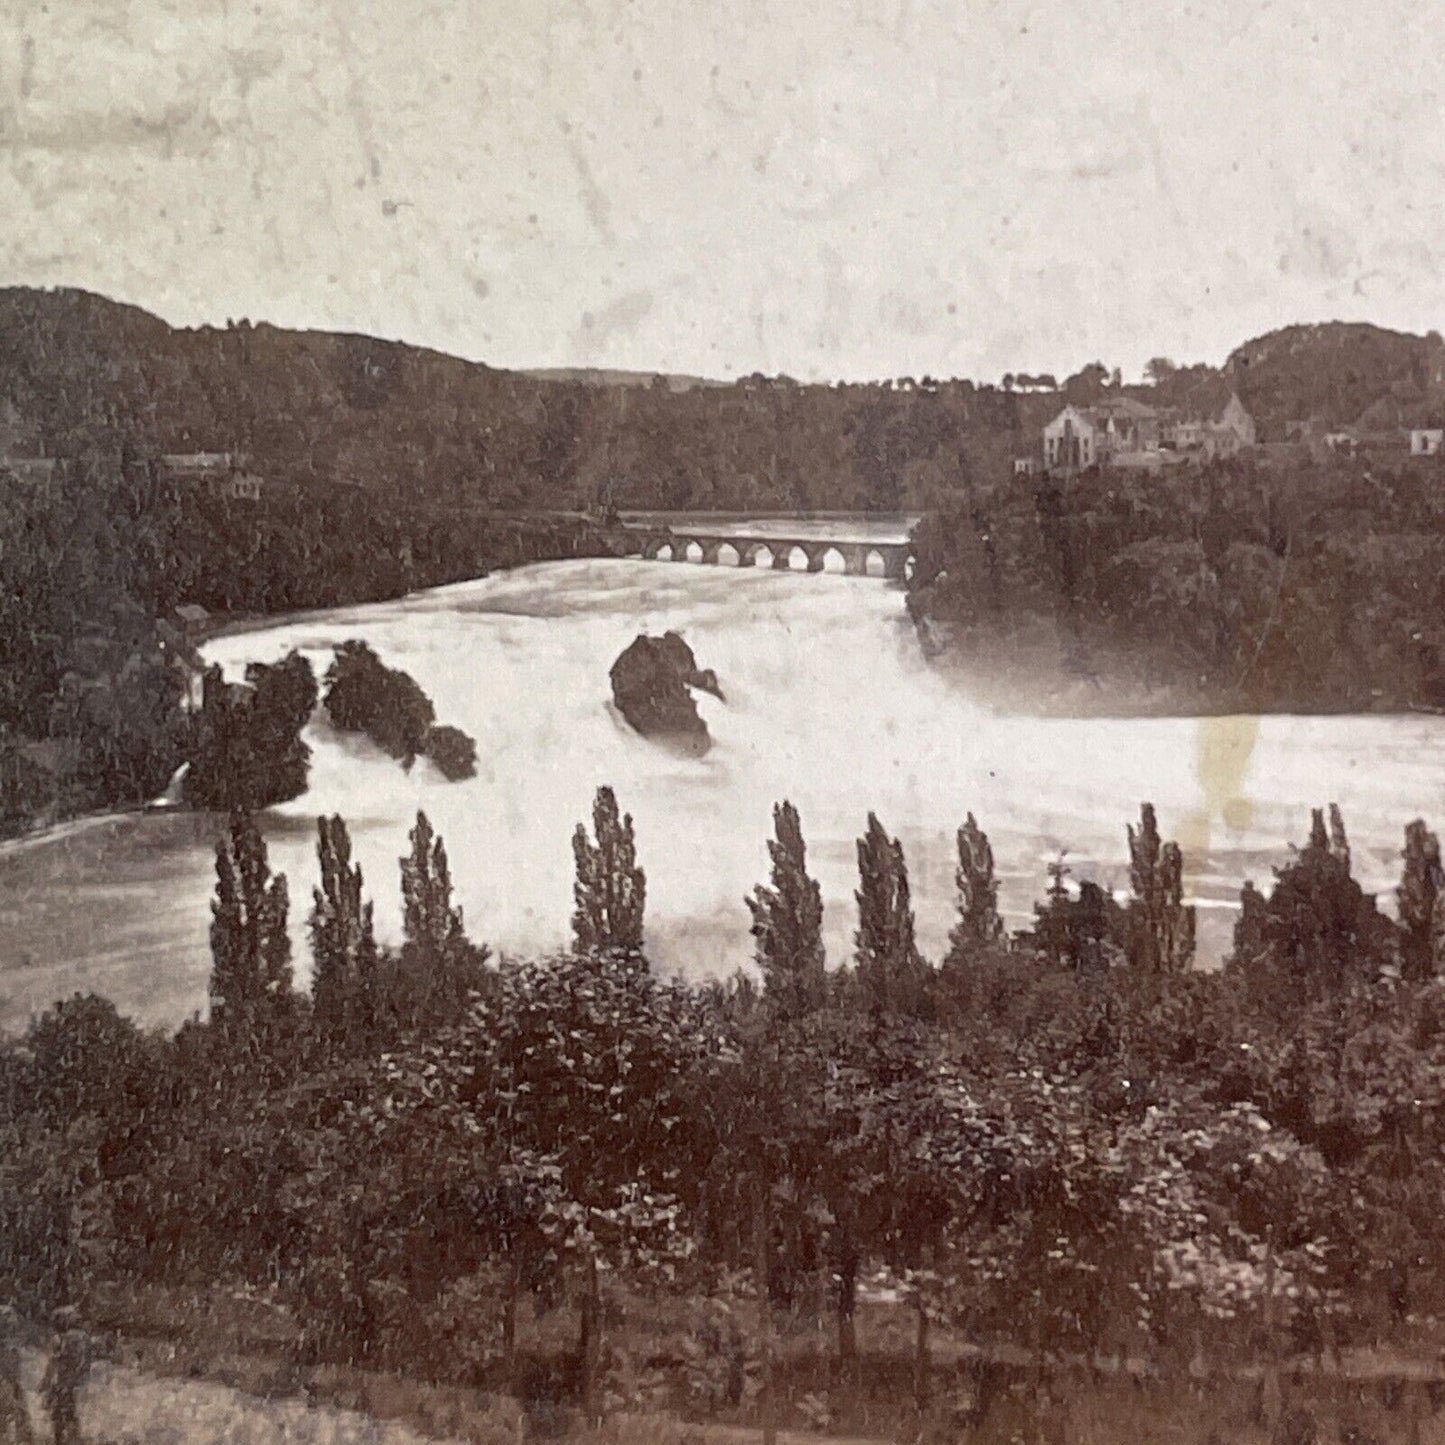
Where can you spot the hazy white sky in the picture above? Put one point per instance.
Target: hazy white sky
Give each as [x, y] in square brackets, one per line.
[829, 188]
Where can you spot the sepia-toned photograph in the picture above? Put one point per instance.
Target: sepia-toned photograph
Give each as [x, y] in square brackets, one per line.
[722, 725]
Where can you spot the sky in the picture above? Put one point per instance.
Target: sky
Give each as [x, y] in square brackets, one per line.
[824, 188]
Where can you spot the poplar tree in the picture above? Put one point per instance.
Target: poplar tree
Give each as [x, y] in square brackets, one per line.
[343, 943]
[442, 967]
[1250, 928]
[611, 890]
[890, 967]
[250, 986]
[1160, 926]
[979, 925]
[1421, 901]
[787, 923]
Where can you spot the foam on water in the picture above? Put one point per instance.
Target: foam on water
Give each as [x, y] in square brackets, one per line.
[829, 703]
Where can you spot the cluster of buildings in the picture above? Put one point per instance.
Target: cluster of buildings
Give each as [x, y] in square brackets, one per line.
[1122, 431]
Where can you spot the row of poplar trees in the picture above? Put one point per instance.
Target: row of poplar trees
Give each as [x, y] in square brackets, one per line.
[362, 992]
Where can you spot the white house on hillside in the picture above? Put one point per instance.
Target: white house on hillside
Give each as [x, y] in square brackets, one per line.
[1122, 431]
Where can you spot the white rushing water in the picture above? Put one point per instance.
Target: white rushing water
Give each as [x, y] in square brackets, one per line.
[829, 703]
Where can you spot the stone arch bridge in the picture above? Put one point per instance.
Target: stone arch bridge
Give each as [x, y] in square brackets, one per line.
[891, 560]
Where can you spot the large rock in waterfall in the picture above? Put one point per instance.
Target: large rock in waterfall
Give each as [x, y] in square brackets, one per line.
[651, 683]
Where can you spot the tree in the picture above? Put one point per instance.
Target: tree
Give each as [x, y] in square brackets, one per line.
[1161, 927]
[284, 699]
[247, 750]
[1158, 370]
[1249, 927]
[1086, 383]
[890, 968]
[1319, 929]
[788, 923]
[1421, 901]
[343, 945]
[250, 987]
[611, 890]
[979, 926]
[1082, 935]
[440, 967]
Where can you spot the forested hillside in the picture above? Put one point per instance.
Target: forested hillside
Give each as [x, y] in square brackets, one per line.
[315, 408]
[386, 467]
[1337, 372]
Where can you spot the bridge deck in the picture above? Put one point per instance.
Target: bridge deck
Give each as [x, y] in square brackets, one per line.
[893, 558]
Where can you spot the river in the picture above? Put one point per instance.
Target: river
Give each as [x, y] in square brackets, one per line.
[829, 703]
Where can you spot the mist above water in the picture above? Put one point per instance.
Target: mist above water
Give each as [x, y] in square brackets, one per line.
[829, 704]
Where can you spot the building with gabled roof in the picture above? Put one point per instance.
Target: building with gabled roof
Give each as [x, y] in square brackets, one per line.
[1122, 430]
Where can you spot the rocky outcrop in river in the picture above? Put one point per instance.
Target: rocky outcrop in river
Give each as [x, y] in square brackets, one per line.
[651, 685]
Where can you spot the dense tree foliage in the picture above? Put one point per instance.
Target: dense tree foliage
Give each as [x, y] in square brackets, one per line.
[344, 1003]
[364, 695]
[246, 749]
[1231, 587]
[1079, 1147]
[787, 916]
[250, 947]
[89, 695]
[610, 891]
[891, 971]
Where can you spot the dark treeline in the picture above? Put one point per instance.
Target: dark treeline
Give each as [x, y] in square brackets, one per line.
[94, 661]
[1066, 1139]
[299, 549]
[90, 695]
[1229, 587]
[316, 409]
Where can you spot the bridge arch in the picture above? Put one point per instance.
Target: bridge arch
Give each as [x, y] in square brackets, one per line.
[892, 561]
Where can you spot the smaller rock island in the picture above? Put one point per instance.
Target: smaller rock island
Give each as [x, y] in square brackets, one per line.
[651, 682]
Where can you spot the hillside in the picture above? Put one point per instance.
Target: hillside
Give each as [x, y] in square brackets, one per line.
[316, 407]
[1337, 371]
[313, 407]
